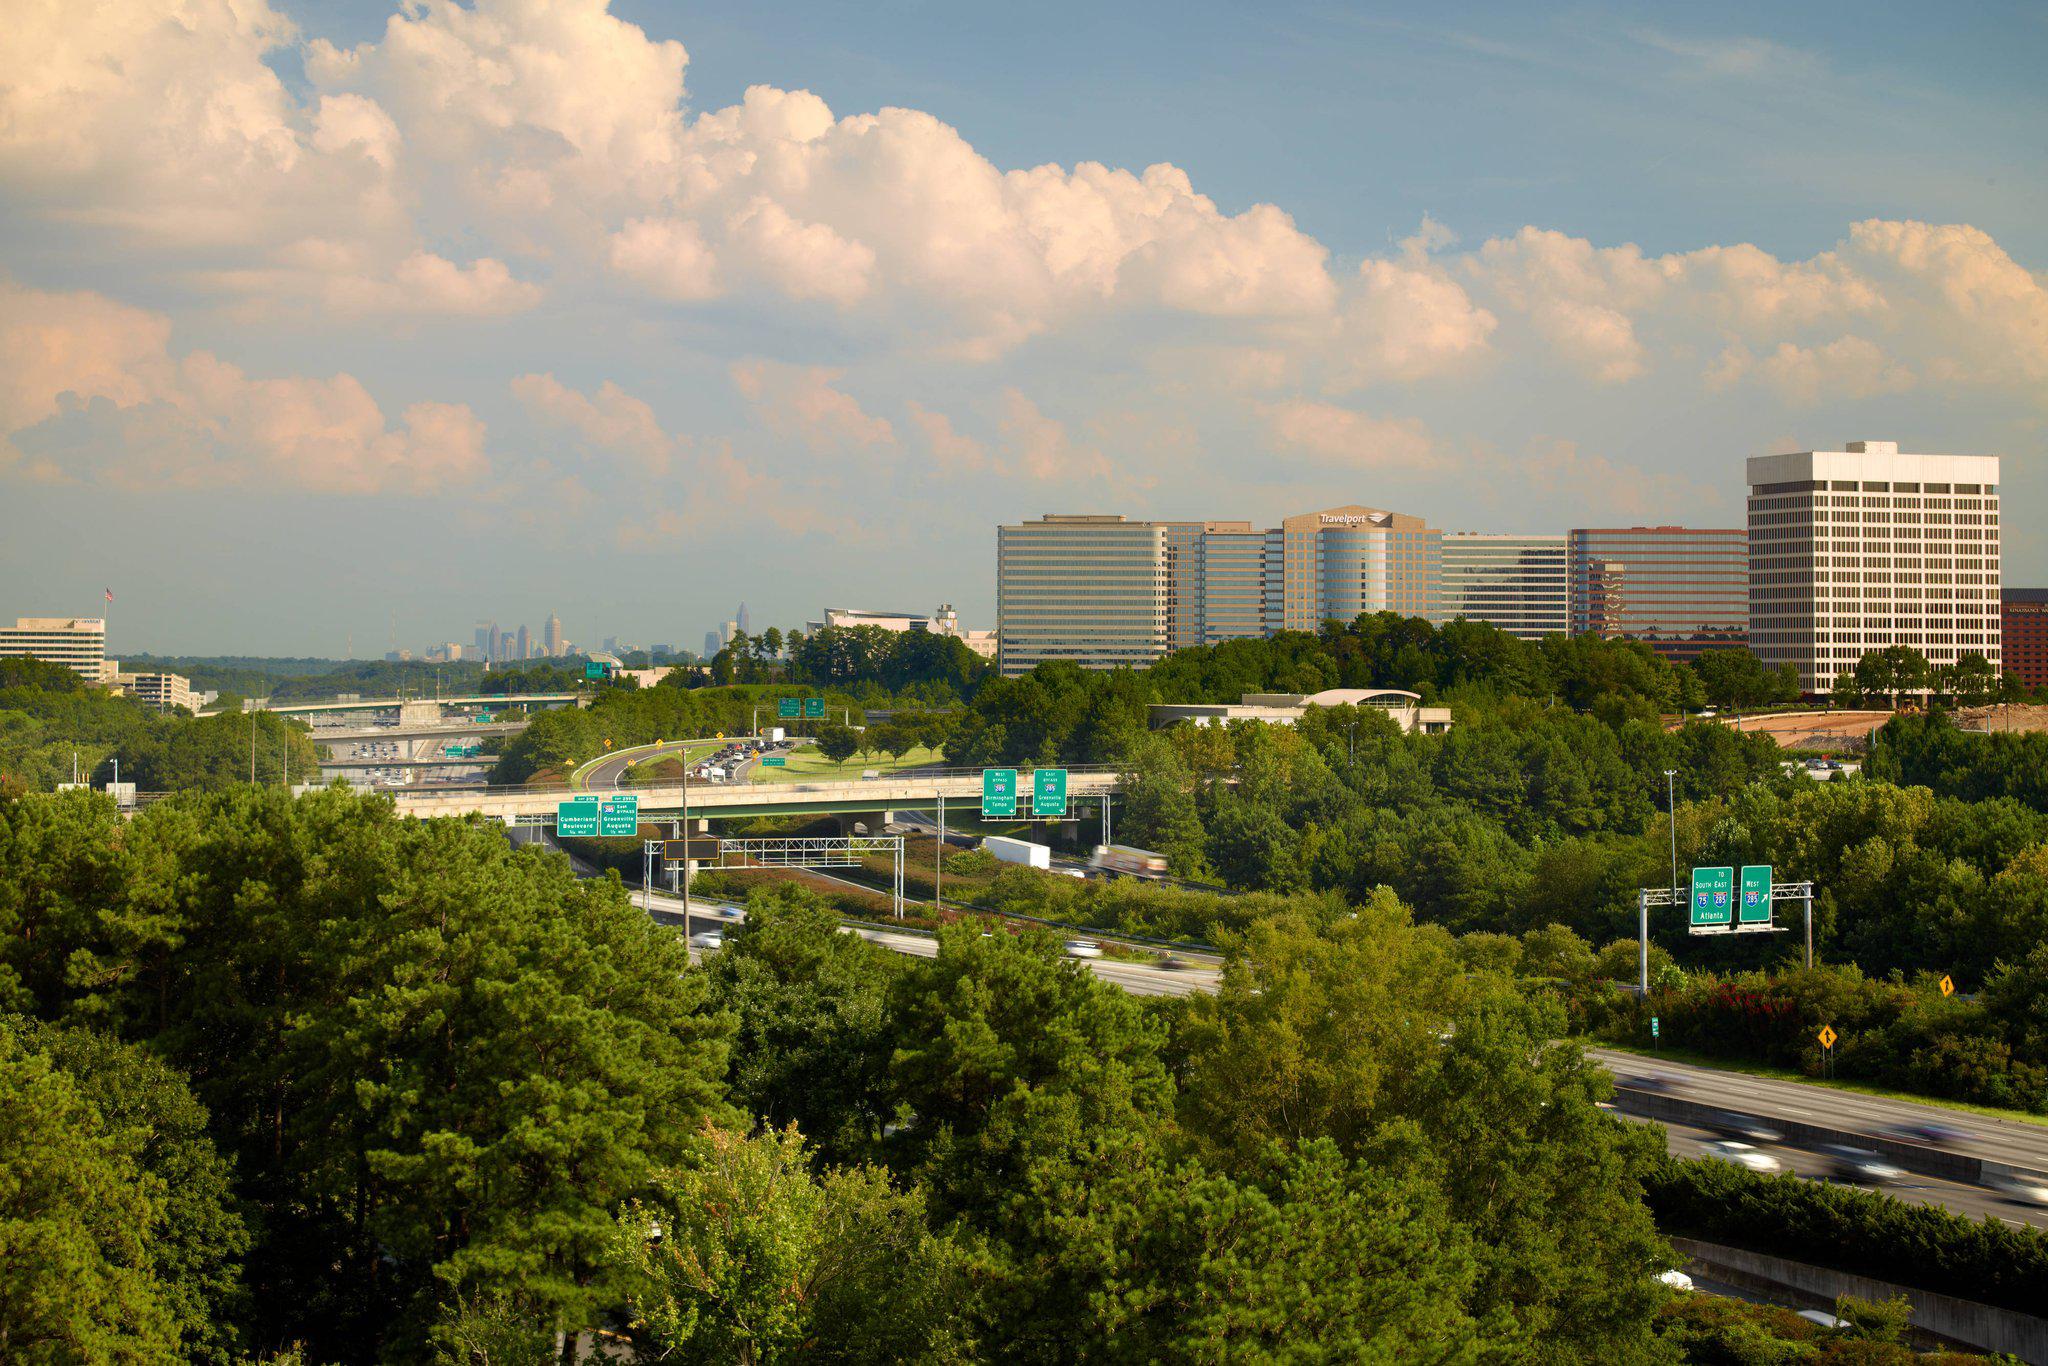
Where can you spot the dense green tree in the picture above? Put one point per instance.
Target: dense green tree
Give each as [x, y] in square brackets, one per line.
[78, 1215]
[1734, 677]
[196, 1250]
[1367, 1031]
[438, 1062]
[745, 1253]
[836, 742]
[812, 1035]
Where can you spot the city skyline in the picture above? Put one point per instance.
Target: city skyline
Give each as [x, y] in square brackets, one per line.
[797, 318]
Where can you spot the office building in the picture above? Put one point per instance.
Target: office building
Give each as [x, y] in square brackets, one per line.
[710, 644]
[742, 621]
[487, 640]
[1860, 549]
[552, 641]
[1105, 591]
[1085, 587]
[1522, 584]
[525, 646]
[2023, 634]
[160, 690]
[77, 643]
[1679, 589]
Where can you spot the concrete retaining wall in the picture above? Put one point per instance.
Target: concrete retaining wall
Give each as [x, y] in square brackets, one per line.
[1980, 1326]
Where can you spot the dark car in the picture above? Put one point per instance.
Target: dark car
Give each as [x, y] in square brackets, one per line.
[1748, 1128]
[1928, 1131]
[1860, 1165]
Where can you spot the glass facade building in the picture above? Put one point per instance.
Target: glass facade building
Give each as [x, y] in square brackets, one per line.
[1680, 590]
[1093, 589]
[1103, 591]
[1522, 584]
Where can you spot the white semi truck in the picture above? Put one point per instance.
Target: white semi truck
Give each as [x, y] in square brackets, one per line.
[1018, 851]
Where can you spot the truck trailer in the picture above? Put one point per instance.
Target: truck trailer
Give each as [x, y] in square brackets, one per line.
[1018, 851]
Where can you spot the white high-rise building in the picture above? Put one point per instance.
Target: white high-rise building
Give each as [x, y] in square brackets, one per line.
[77, 643]
[1859, 549]
[1521, 584]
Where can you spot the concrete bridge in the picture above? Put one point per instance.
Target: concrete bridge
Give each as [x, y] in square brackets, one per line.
[913, 791]
[412, 710]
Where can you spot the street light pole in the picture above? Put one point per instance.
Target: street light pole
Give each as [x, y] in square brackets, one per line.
[1671, 811]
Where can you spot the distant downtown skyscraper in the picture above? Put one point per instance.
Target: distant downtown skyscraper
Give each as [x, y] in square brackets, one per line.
[1860, 549]
[552, 640]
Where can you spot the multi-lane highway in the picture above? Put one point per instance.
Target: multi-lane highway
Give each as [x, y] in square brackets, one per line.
[2011, 1142]
[2015, 1142]
[1974, 1202]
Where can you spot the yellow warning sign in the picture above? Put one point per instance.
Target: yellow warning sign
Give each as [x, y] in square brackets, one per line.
[1827, 1036]
[1948, 985]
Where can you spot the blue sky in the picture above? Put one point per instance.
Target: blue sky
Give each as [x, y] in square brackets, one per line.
[324, 331]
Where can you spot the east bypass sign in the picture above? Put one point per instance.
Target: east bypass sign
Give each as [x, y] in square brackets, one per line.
[595, 818]
[1717, 904]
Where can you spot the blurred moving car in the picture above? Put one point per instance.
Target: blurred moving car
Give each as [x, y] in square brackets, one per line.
[1743, 1155]
[1746, 1127]
[1849, 1163]
[1083, 948]
[2027, 1188]
[1928, 1131]
[708, 939]
[1676, 1279]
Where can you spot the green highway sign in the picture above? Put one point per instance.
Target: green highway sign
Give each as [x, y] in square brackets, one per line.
[618, 816]
[788, 708]
[484, 718]
[814, 707]
[775, 761]
[1653, 1026]
[576, 817]
[999, 792]
[1713, 897]
[593, 670]
[1756, 894]
[1049, 792]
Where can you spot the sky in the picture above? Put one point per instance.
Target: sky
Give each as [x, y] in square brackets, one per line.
[328, 326]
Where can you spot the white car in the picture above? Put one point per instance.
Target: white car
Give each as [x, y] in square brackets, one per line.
[1083, 948]
[1675, 1279]
[708, 939]
[1743, 1155]
[2025, 1187]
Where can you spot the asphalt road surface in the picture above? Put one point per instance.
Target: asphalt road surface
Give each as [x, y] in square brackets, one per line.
[2012, 1141]
[1973, 1202]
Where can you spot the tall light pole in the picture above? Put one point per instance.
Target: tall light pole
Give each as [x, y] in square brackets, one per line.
[1671, 810]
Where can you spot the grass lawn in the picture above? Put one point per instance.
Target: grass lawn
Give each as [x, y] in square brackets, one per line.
[1785, 1074]
[806, 765]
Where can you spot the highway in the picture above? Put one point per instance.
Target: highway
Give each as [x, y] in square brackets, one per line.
[2018, 1143]
[2011, 1141]
[1973, 1202]
[1139, 979]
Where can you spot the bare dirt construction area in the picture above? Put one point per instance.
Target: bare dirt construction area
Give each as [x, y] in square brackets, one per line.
[1850, 730]
[2016, 716]
[1821, 730]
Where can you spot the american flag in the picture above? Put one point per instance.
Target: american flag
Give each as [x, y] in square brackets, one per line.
[110, 595]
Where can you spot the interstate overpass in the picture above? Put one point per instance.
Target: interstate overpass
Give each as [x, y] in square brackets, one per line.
[919, 789]
[402, 704]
